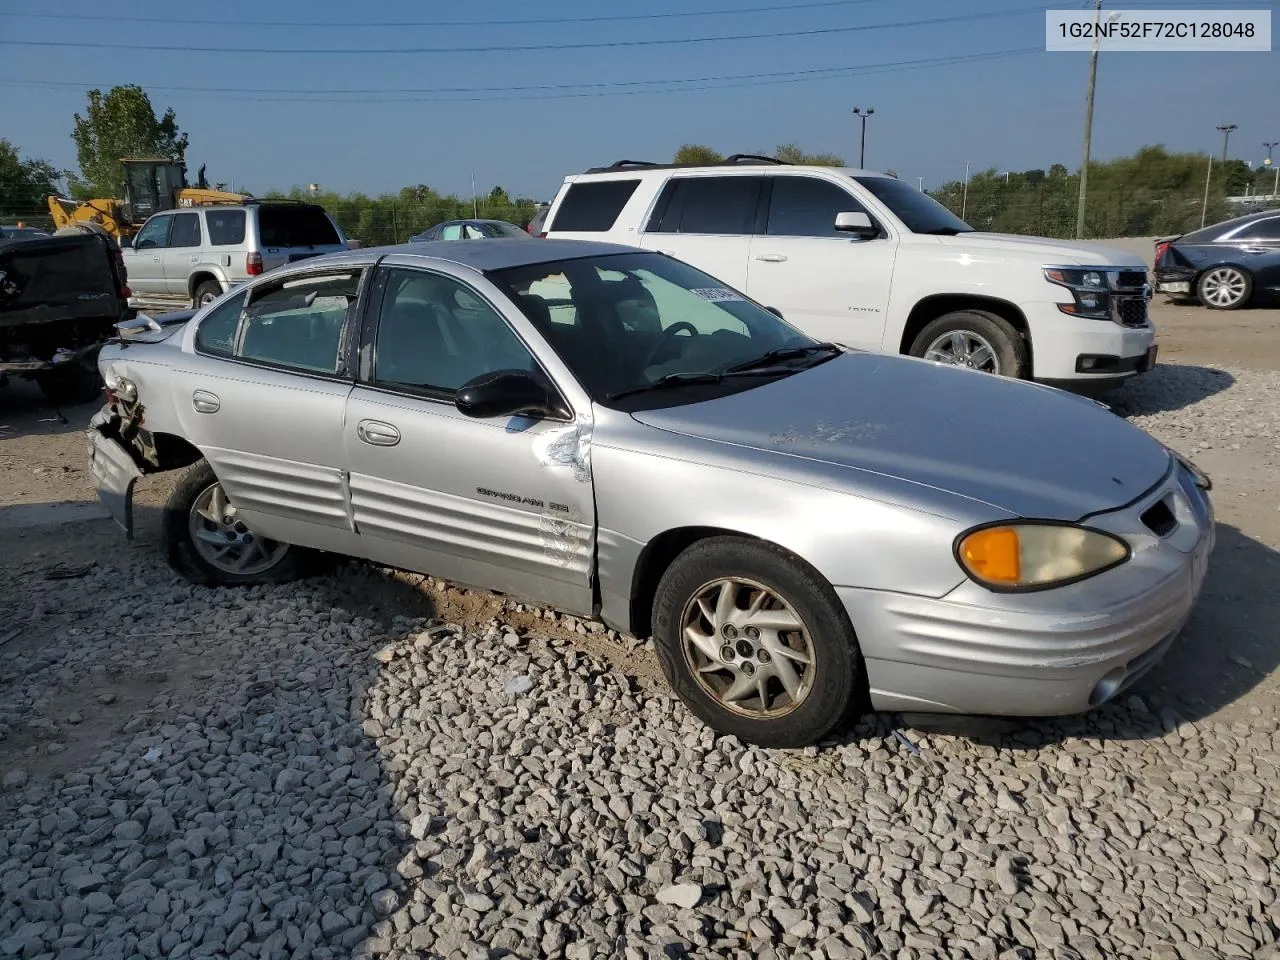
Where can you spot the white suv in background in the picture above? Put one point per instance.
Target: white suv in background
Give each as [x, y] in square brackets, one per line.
[192, 255]
[865, 260]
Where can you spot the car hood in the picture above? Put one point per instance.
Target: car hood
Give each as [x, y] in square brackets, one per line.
[1031, 450]
[1044, 250]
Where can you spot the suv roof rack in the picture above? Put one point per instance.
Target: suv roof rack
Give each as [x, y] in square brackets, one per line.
[732, 160]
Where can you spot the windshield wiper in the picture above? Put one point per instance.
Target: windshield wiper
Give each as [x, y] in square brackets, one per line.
[667, 382]
[780, 354]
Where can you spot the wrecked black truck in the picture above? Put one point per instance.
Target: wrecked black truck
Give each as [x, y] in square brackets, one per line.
[60, 299]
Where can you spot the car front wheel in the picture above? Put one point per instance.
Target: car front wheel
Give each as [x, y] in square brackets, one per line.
[1224, 288]
[974, 339]
[756, 643]
[209, 544]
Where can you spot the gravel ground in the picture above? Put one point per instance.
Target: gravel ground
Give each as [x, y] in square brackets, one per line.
[372, 764]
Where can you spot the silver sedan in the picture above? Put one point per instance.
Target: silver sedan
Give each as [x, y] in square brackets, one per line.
[803, 529]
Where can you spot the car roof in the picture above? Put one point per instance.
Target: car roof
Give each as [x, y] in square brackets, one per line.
[625, 171]
[491, 255]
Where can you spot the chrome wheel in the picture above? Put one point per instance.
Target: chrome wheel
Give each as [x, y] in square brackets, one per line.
[223, 541]
[963, 348]
[1224, 287]
[748, 648]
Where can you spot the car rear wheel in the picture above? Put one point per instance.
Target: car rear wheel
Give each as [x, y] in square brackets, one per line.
[974, 339]
[756, 643]
[209, 544]
[206, 293]
[1224, 288]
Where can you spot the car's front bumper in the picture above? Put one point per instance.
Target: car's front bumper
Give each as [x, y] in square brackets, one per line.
[114, 472]
[1059, 341]
[1057, 651]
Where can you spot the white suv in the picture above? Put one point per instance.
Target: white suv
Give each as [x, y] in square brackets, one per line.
[192, 255]
[865, 260]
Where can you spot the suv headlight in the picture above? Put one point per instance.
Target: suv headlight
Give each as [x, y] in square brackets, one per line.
[1090, 291]
[1035, 555]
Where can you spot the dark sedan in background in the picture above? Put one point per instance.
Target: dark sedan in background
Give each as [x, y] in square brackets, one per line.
[1223, 266]
[470, 230]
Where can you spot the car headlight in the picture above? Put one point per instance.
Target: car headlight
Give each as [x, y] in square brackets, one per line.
[1033, 556]
[1090, 296]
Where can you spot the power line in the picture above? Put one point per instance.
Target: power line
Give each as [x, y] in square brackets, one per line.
[611, 88]
[524, 22]
[511, 48]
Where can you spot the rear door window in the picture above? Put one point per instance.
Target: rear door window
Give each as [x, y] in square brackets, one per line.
[713, 205]
[1268, 229]
[226, 227]
[217, 332]
[301, 226]
[593, 207]
[185, 231]
[299, 325]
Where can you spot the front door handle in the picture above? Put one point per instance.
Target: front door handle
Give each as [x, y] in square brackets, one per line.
[155, 259]
[377, 433]
[205, 402]
[772, 257]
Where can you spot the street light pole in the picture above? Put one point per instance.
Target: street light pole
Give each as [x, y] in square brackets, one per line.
[1225, 129]
[1273, 143]
[862, 149]
[920, 184]
[1088, 118]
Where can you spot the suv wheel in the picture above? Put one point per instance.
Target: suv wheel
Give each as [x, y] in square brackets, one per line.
[756, 643]
[974, 339]
[207, 292]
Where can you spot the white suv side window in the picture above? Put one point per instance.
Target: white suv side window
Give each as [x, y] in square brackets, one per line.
[807, 207]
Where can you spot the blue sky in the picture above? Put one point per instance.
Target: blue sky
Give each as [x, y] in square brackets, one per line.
[1014, 112]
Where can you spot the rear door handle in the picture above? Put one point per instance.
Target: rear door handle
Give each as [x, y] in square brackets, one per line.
[772, 257]
[1256, 250]
[205, 402]
[377, 433]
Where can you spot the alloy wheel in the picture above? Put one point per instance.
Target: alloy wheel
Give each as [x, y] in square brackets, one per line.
[1224, 287]
[747, 648]
[964, 348]
[222, 539]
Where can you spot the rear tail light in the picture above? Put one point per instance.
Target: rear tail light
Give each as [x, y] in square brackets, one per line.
[253, 264]
[1160, 249]
[125, 292]
[542, 234]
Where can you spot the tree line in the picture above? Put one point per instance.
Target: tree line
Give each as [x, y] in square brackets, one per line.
[1153, 192]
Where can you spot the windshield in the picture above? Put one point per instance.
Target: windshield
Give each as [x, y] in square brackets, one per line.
[623, 323]
[916, 209]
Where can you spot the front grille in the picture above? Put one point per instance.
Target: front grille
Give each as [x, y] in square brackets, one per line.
[1159, 519]
[1131, 278]
[1132, 311]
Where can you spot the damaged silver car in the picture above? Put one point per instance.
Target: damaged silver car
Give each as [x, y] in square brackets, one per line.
[803, 529]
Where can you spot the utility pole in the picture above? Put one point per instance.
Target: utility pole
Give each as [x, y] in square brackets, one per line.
[964, 197]
[862, 149]
[1088, 119]
[920, 184]
[1225, 129]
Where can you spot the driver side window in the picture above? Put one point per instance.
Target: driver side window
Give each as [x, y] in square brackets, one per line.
[154, 233]
[434, 334]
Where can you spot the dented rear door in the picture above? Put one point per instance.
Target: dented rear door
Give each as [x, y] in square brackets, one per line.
[505, 504]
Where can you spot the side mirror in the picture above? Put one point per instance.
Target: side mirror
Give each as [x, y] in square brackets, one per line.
[857, 223]
[509, 393]
[126, 243]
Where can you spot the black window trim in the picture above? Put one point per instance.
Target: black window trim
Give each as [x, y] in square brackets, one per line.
[200, 229]
[347, 372]
[369, 336]
[551, 223]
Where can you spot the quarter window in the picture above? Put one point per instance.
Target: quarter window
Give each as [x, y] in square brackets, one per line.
[185, 231]
[435, 334]
[217, 332]
[807, 207]
[593, 207]
[154, 233]
[299, 325]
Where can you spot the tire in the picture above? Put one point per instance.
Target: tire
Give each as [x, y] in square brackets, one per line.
[279, 563]
[829, 686]
[207, 292]
[1224, 288]
[1007, 348]
[71, 384]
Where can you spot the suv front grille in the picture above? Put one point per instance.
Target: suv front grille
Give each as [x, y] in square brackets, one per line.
[1131, 278]
[1131, 311]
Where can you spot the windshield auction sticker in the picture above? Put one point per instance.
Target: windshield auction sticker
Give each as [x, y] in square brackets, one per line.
[1232, 31]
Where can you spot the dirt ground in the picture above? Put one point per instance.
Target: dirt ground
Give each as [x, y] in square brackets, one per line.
[51, 525]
